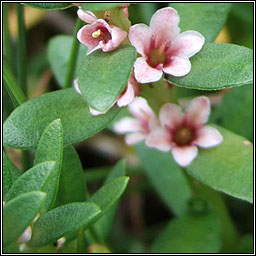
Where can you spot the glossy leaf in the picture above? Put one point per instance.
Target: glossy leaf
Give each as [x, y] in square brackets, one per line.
[235, 111]
[218, 66]
[206, 18]
[10, 174]
[190, 234]
[50, 148]
[100, 6]
[61, 221]
[72, 186]
[166, 177]
[26, 124]
[104, 75]
[49, 6]
[227, 167]
[108, 195]
[58, 55]
[19, 213]
[34, 179]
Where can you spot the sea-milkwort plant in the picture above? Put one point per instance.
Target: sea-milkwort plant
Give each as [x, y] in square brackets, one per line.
[128, 127]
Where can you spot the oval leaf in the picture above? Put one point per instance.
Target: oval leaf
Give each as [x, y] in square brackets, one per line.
[100, 6]
[206, 18]
[104, 75]
[218, 66]
[49, 6]
[227, 167]
[58, 55]
[26, 124]
[61, 221]
[33, 179]
[190, 234]
[19, 213]
[166, 178]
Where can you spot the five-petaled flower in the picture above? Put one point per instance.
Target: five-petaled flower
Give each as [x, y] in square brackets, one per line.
[182, 132]
[140, 126]
[162, 48]
[99, 34]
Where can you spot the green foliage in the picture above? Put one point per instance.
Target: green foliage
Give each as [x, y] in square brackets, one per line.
[18, 213]
[206, 18]
[49, 6]
[26, 124]
[58, 51]
[99, 6]
[218, 66]
[34, 179]
[72, 186]
[190, 234]
[61, 221]
[227, 167]
[104, 75]
[166, 177]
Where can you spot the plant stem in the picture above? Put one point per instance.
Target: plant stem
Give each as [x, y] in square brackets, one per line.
[22, 51]
[11, 85]
[73, 56]
[81, 241]
[7, 38]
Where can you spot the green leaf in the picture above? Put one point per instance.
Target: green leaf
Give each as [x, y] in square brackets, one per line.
[238, 102]
[10, 174]
[26, 124]
[104, 75]
[190, 234]
[166, 177]
[34, 179]
[72, 186]
[108, 195]
[58, 51]
[99, 6]
[218, 66]
[19, 213]
[104, 225]
[61, 221]
[49, 6]
[50, 148]
[227, 167]
[206, 18]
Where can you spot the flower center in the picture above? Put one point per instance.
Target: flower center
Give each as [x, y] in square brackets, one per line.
[101, 33]
[156, 57]
[96, 33]
[183, 136]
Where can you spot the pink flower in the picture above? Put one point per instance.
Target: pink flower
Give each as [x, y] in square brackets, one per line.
[140, 126]
[126, 97]
[162, 48]
[99, 34]
[181, 133]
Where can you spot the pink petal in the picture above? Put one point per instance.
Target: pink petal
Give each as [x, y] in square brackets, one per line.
[75, 83]
[160, 139]
[25, 236]
[144, 73]
[140, 37]
[170, 115]
[208, 137]
[140, 109]
[154, 124]
[134, 138]
[184, 155]
[127, 124]
[126, 98]
[187, 44]
[198, 111]
[117, 37]
[164, 24]
[86, 16]
[95, 112]
[177, 66]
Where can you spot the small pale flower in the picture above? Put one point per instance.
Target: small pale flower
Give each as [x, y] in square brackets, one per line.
[162, 48]
[183, 132]
[140, 126]
[99, 34]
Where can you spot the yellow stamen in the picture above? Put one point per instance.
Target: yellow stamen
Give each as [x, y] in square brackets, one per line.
[96, 34]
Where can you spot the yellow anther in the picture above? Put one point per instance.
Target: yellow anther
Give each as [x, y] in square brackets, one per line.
[96, 34]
